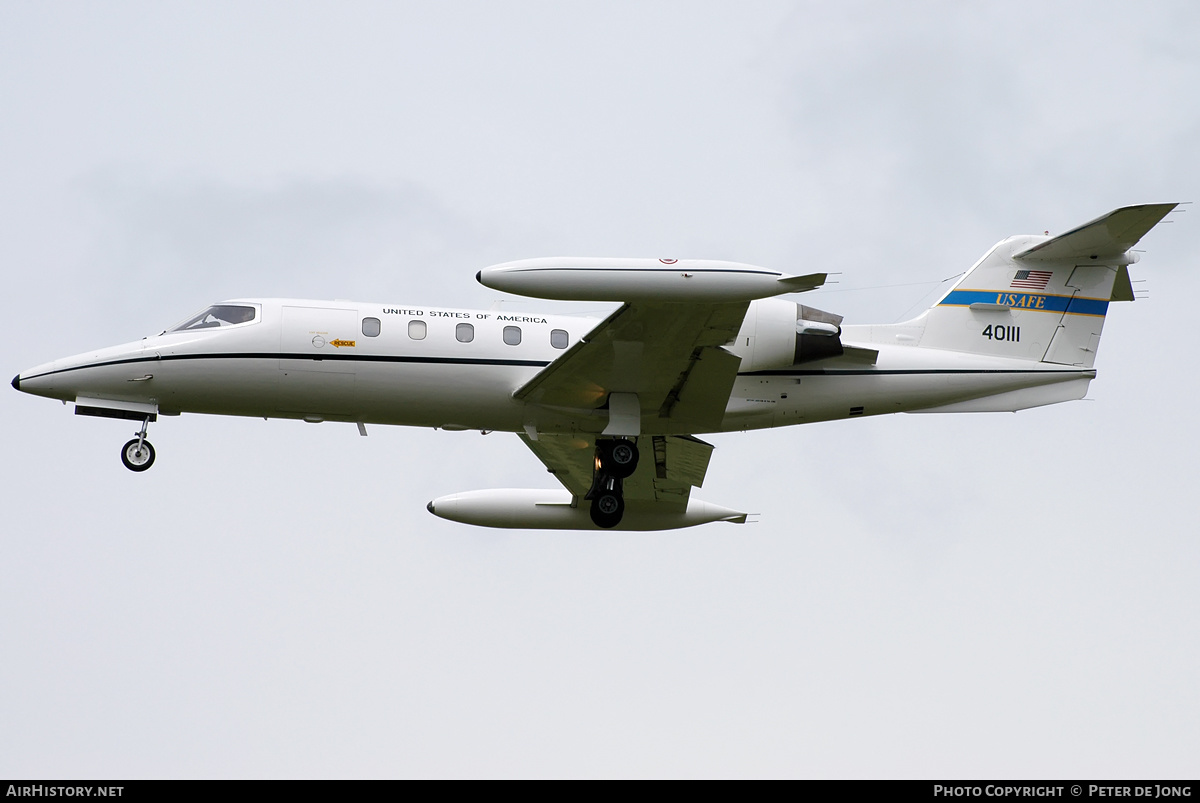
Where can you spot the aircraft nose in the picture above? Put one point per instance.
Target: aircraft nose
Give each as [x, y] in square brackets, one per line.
[39, 380]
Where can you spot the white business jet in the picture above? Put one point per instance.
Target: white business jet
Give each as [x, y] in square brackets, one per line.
[612, 406]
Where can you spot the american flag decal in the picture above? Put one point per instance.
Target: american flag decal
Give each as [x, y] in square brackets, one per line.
[1031, 279]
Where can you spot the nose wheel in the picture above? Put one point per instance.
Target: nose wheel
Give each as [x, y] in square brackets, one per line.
[138, 454]
[615, 461]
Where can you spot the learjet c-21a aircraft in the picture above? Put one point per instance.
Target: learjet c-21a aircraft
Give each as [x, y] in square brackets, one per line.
[612, 406]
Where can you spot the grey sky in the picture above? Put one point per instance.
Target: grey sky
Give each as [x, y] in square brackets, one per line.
[930, 596]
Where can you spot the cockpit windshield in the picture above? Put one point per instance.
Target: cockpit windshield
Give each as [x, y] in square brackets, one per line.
[215, 316]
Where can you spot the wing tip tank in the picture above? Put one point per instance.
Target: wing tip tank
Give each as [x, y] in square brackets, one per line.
[530, 509]
[662, 280]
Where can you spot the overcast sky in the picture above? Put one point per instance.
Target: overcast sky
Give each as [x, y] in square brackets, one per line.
[927, 596]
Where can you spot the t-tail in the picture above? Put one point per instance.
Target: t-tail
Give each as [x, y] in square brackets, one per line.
[1041, 298]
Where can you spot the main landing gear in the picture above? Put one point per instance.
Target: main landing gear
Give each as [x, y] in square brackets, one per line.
[138, 454]
[615, 461]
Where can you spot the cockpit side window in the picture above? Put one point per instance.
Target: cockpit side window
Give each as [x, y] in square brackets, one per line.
[217, 316]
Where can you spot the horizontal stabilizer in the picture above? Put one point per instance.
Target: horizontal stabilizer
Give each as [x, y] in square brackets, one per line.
[1105, 237]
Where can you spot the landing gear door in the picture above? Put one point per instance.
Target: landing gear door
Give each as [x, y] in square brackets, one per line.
[316, 361]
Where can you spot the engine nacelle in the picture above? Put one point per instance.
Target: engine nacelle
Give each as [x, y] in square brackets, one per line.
[521, 508]
[779, 334]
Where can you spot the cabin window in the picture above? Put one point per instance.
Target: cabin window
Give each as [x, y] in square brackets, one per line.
[370, 327]
[559, 338]
[465, 332]
[512, 335]
[218, 315]
[417, 330]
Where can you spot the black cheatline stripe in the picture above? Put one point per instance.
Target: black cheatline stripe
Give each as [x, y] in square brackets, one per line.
[915, 371]
[535, 364]
[280, 356]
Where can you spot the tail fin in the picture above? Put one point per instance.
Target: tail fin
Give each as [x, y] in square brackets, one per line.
[1042, 298]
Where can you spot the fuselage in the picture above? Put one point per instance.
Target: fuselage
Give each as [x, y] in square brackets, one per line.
[611, 406]
[458, 369]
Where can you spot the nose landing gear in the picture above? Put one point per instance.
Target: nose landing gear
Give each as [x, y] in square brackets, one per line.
[615, 461]
[138, 454]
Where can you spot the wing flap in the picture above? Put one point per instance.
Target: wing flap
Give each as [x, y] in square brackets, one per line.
[670, 467]
[568, 457]
[681, 458]
[700, 395]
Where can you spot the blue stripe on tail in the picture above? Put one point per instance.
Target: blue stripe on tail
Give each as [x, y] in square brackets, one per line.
[1037, 302]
